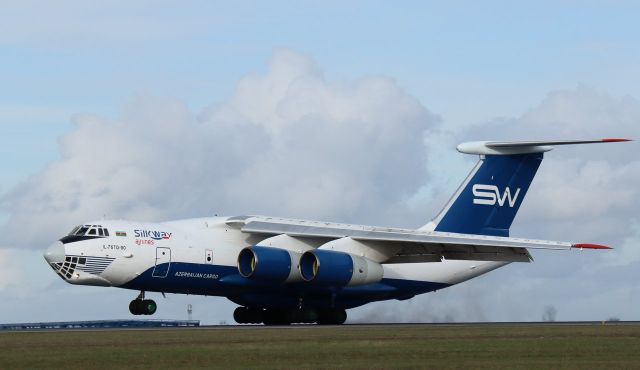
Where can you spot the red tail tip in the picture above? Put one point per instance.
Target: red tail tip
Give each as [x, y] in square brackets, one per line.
[615, 140]
[590, 246]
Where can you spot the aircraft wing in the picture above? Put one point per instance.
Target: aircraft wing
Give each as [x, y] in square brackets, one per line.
[407, 245]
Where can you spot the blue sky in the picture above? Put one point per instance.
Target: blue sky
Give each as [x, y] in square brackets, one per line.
[478, 66]
[467, 61]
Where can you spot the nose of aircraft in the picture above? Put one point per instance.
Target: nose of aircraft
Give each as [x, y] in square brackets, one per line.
[55, 252]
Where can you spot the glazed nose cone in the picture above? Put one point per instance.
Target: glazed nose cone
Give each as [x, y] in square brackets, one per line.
[55, 252]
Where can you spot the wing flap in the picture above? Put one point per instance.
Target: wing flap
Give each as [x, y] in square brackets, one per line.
[434, 253]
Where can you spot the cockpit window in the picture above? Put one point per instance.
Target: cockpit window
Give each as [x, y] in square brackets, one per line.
[92, 230]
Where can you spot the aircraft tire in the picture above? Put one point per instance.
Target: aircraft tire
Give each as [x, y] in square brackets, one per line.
[143, 307]
[246, 315]
[276, 317]
[332, 317]
[255, 315]
[240, 315]
[134, 307]
[305, 316]
[148, 307]
[339, 316]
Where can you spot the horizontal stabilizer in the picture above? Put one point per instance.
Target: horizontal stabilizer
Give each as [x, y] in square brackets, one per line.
[522, 147]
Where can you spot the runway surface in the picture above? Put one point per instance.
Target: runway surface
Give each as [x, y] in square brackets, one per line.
[566, 345]
[345, 326]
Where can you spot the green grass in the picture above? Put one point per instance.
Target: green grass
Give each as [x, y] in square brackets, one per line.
[511, 347]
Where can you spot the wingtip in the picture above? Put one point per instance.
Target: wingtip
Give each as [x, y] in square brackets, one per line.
[615, 140]
[589, 246]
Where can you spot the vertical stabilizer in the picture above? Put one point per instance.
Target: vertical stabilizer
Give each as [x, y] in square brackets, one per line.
[488, 200]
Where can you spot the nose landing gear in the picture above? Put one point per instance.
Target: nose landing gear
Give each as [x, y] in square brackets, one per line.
[141, 306]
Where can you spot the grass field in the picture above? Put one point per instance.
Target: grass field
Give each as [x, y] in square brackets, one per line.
[511, 347]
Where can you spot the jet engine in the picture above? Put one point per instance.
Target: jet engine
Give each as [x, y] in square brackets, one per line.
[331, 268]
[268, 264]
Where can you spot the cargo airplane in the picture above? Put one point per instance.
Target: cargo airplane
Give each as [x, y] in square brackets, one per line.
[283, 271]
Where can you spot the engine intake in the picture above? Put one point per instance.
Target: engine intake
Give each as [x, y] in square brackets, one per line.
[267, 263]
[331, 268]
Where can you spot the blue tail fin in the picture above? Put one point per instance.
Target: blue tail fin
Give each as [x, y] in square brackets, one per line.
[488, 200]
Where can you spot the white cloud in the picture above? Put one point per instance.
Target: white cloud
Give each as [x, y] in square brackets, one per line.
[628, 252]
[583, 111]
[10, 272]
[582, 190]
[287, 142]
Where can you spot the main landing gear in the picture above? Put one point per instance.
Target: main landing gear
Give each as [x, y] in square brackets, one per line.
[141, 306]
[268, 316]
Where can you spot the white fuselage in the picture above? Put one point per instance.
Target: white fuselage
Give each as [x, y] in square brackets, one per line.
[197, 255]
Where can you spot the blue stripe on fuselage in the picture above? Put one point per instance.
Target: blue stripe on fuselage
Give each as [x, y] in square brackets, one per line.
[203, 279]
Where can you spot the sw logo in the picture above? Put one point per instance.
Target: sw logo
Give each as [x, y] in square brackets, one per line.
[490, 194]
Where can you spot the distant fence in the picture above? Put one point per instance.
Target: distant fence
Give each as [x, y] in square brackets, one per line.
[100, 324]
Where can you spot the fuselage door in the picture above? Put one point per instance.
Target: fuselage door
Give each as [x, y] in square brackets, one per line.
[163, 261]
[208, 258]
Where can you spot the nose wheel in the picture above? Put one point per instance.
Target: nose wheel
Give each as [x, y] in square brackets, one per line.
[141, 306]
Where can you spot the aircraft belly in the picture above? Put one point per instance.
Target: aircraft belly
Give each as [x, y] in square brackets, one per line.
[219, 280]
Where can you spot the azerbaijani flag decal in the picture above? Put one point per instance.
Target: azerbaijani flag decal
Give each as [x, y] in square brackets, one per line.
[121, 233]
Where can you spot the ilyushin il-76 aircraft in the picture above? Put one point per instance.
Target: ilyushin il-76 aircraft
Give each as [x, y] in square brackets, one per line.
[282, 271]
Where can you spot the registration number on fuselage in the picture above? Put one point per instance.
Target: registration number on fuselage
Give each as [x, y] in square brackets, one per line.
[114, 247]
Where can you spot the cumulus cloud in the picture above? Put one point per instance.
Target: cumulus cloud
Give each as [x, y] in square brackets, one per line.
[584, 111]
[10, 272]
[584, 200]
[628, 252]
[566, 113]
[287, 142]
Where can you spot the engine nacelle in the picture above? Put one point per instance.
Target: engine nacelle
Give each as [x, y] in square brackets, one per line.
[330, 268]
[268, 264]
